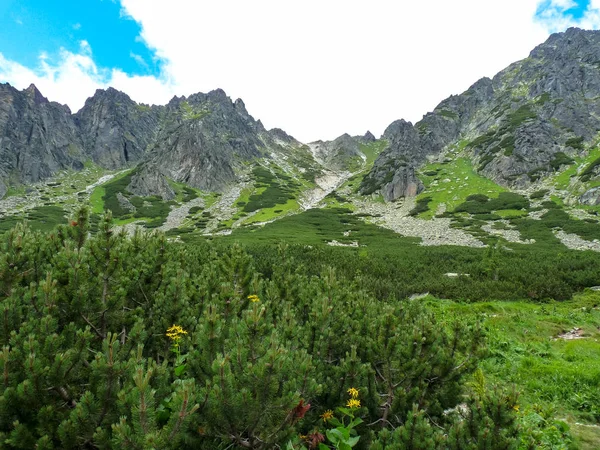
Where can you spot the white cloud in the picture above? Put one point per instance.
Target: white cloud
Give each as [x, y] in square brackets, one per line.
[74, 77]
[314, 68]
[320, 68]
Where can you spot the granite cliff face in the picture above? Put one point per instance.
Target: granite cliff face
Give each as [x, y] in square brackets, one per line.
[116, 131]
[203, 138]
[526, 122]
[37, 137]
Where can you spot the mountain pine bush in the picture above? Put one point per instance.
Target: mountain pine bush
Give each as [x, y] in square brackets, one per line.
[112, 341]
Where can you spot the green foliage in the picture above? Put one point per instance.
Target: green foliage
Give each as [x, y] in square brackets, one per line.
[87, 363]
[117, 185]
[421, 206]
[539, 194]
[448, 114]
[576, 143]
[43, 218]
[481, 198]
[589, 171]
[504, 201]
[151, 207]
[189, 194]
[278, 189]
[560, 159]
[522, 114]
[193, 112]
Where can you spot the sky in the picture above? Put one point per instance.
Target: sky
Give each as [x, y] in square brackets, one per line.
[315, 68]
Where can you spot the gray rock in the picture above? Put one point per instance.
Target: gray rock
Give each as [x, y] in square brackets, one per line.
[125, 203]
[115, 130]
[37, 137]
[204, 138]
[148, 180]
[343, 153]
[591, 197]
[368, 137]
[394, 170]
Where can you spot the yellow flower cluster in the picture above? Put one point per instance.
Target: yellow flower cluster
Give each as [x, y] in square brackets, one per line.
[175, 333]
[354, 402]
[327, 415]
[254, 298]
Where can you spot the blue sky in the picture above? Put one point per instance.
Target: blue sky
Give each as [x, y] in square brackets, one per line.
[316, 68]
[574, 9]
[34, 27]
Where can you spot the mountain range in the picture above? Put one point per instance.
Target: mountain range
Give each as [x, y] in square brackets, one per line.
[534, 120]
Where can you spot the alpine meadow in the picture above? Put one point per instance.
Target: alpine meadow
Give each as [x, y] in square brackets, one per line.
[180, 277]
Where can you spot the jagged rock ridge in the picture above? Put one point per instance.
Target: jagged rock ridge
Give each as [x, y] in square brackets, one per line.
[199, 140]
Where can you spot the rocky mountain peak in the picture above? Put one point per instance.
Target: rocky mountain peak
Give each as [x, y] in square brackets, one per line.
[33, 93]
[399, 128]
[368, 137]
[281, 135]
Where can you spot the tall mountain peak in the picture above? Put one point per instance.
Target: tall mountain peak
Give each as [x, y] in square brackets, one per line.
[33, 92]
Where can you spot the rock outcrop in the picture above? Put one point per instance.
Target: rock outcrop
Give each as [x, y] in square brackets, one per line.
[148, 180]
[116, 131]
[203, 138]
[343, 153]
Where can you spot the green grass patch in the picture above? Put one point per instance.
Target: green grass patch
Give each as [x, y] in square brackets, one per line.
[421, 206]
[563, 179]
[556, 378]
[372, 150]
[510, 213]
[464, 181]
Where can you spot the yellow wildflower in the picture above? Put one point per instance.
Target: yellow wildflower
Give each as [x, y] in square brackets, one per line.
[516, 408]
[253, 298]
[353, 403]
[175, 333]
[353, 392]
[327, 415]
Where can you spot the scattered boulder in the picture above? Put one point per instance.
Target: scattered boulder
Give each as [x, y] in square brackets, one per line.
[125, 203]
[575, 333]
[591, 197]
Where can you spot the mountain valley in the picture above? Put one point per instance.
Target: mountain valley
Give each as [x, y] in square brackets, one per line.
[179, 276]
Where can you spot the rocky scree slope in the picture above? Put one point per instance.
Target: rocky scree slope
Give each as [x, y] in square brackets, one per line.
[530, 120]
